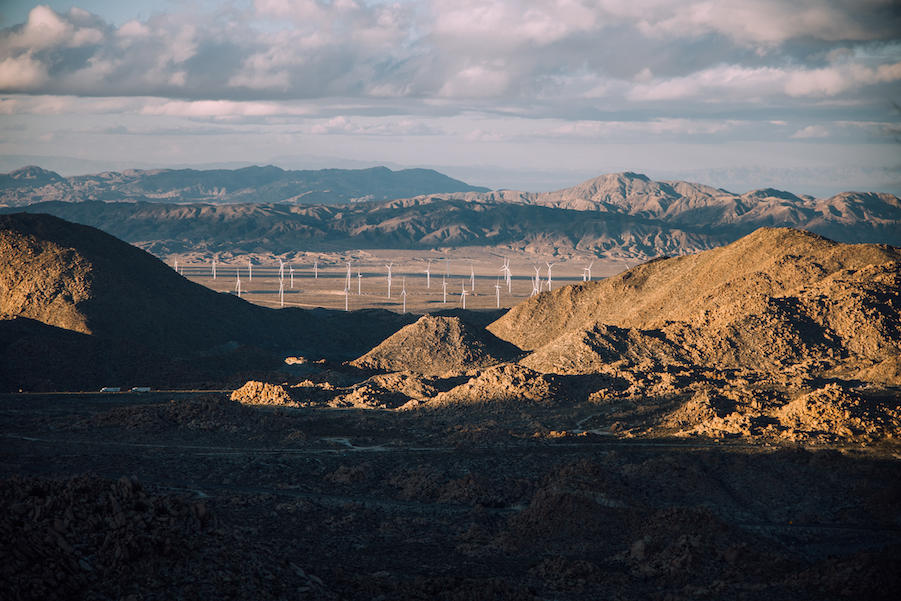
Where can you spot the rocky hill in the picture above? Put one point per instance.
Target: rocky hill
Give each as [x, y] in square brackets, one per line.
[775, 298]
[435, 345]
[226, 186]
[83, 280]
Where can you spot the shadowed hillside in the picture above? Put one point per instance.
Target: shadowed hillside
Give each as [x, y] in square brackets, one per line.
[80, 279]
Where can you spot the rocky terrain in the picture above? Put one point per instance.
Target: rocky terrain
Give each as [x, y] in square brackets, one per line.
[226, 186]
[723, 424]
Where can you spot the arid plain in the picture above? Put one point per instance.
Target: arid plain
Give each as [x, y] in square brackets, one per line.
[715, 424]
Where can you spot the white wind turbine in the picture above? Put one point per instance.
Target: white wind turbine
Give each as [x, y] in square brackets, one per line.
[463, 294]
[549, 265]
[506, 271]
[281, 269]
[238, 285]
[428, 280]
[389, 278]
[214, 268]
[249, 271]
[281, 291]
[359, 283]
[346, 291]
[316, 269]
[291, 271]
[536, 283]
[472, 278]
[403, 293]
[348, 275]
[586, 272]
[176, 265]
[497, 287]
[444, 286]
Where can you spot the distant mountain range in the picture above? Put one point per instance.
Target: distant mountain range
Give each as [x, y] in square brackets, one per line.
[624, 214]
[226, 186]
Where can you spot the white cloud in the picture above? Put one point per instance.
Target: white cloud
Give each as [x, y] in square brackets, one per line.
[344, 126]
[811, 131]
[22, 73]
[656, 127]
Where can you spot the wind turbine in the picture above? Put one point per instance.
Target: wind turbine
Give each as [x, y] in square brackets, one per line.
[472, 278]
[428, 281]
[536, 283]
[497, 287]
[214, 268]
[238, 285]
[176, 265]
[316, 269]
[281, 269]
[463, 294]
[586, 275]
[291, 271]
[444, 285]
[403, 293]
[348, 275]
[389, 278]
[346, 291]
[359, 283]
[249, 271]
[506, 271]
[281, 291]
[549, 265]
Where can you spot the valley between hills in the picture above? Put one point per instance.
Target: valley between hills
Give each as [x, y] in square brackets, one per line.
[714, 414]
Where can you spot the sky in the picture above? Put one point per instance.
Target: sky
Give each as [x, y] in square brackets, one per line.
[799, 95]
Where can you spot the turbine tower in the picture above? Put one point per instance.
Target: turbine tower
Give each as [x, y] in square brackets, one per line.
[348, 275]
[291, 271]
[281, 291]
[346, 291]
[214, 268]
[463, 294]
[536, 283]
[506, 271]
[403, 293]
[497, 287]
[472, 278]
[359, 283]
[238, 285]
[586, 272]
[549, 265]
[389, 278]
[428, 280]
[316, 269]
[444, 286]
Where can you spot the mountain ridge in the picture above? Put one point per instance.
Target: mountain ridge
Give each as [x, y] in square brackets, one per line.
[225, 186]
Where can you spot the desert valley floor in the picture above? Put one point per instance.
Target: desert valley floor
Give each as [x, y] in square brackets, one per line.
[716, 425]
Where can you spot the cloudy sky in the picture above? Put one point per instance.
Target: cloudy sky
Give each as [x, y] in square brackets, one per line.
[501, 92]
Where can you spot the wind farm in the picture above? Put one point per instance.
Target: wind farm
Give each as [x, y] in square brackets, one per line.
[306, 282]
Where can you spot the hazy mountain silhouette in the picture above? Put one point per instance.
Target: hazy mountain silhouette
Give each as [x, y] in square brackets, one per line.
[226, 186]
